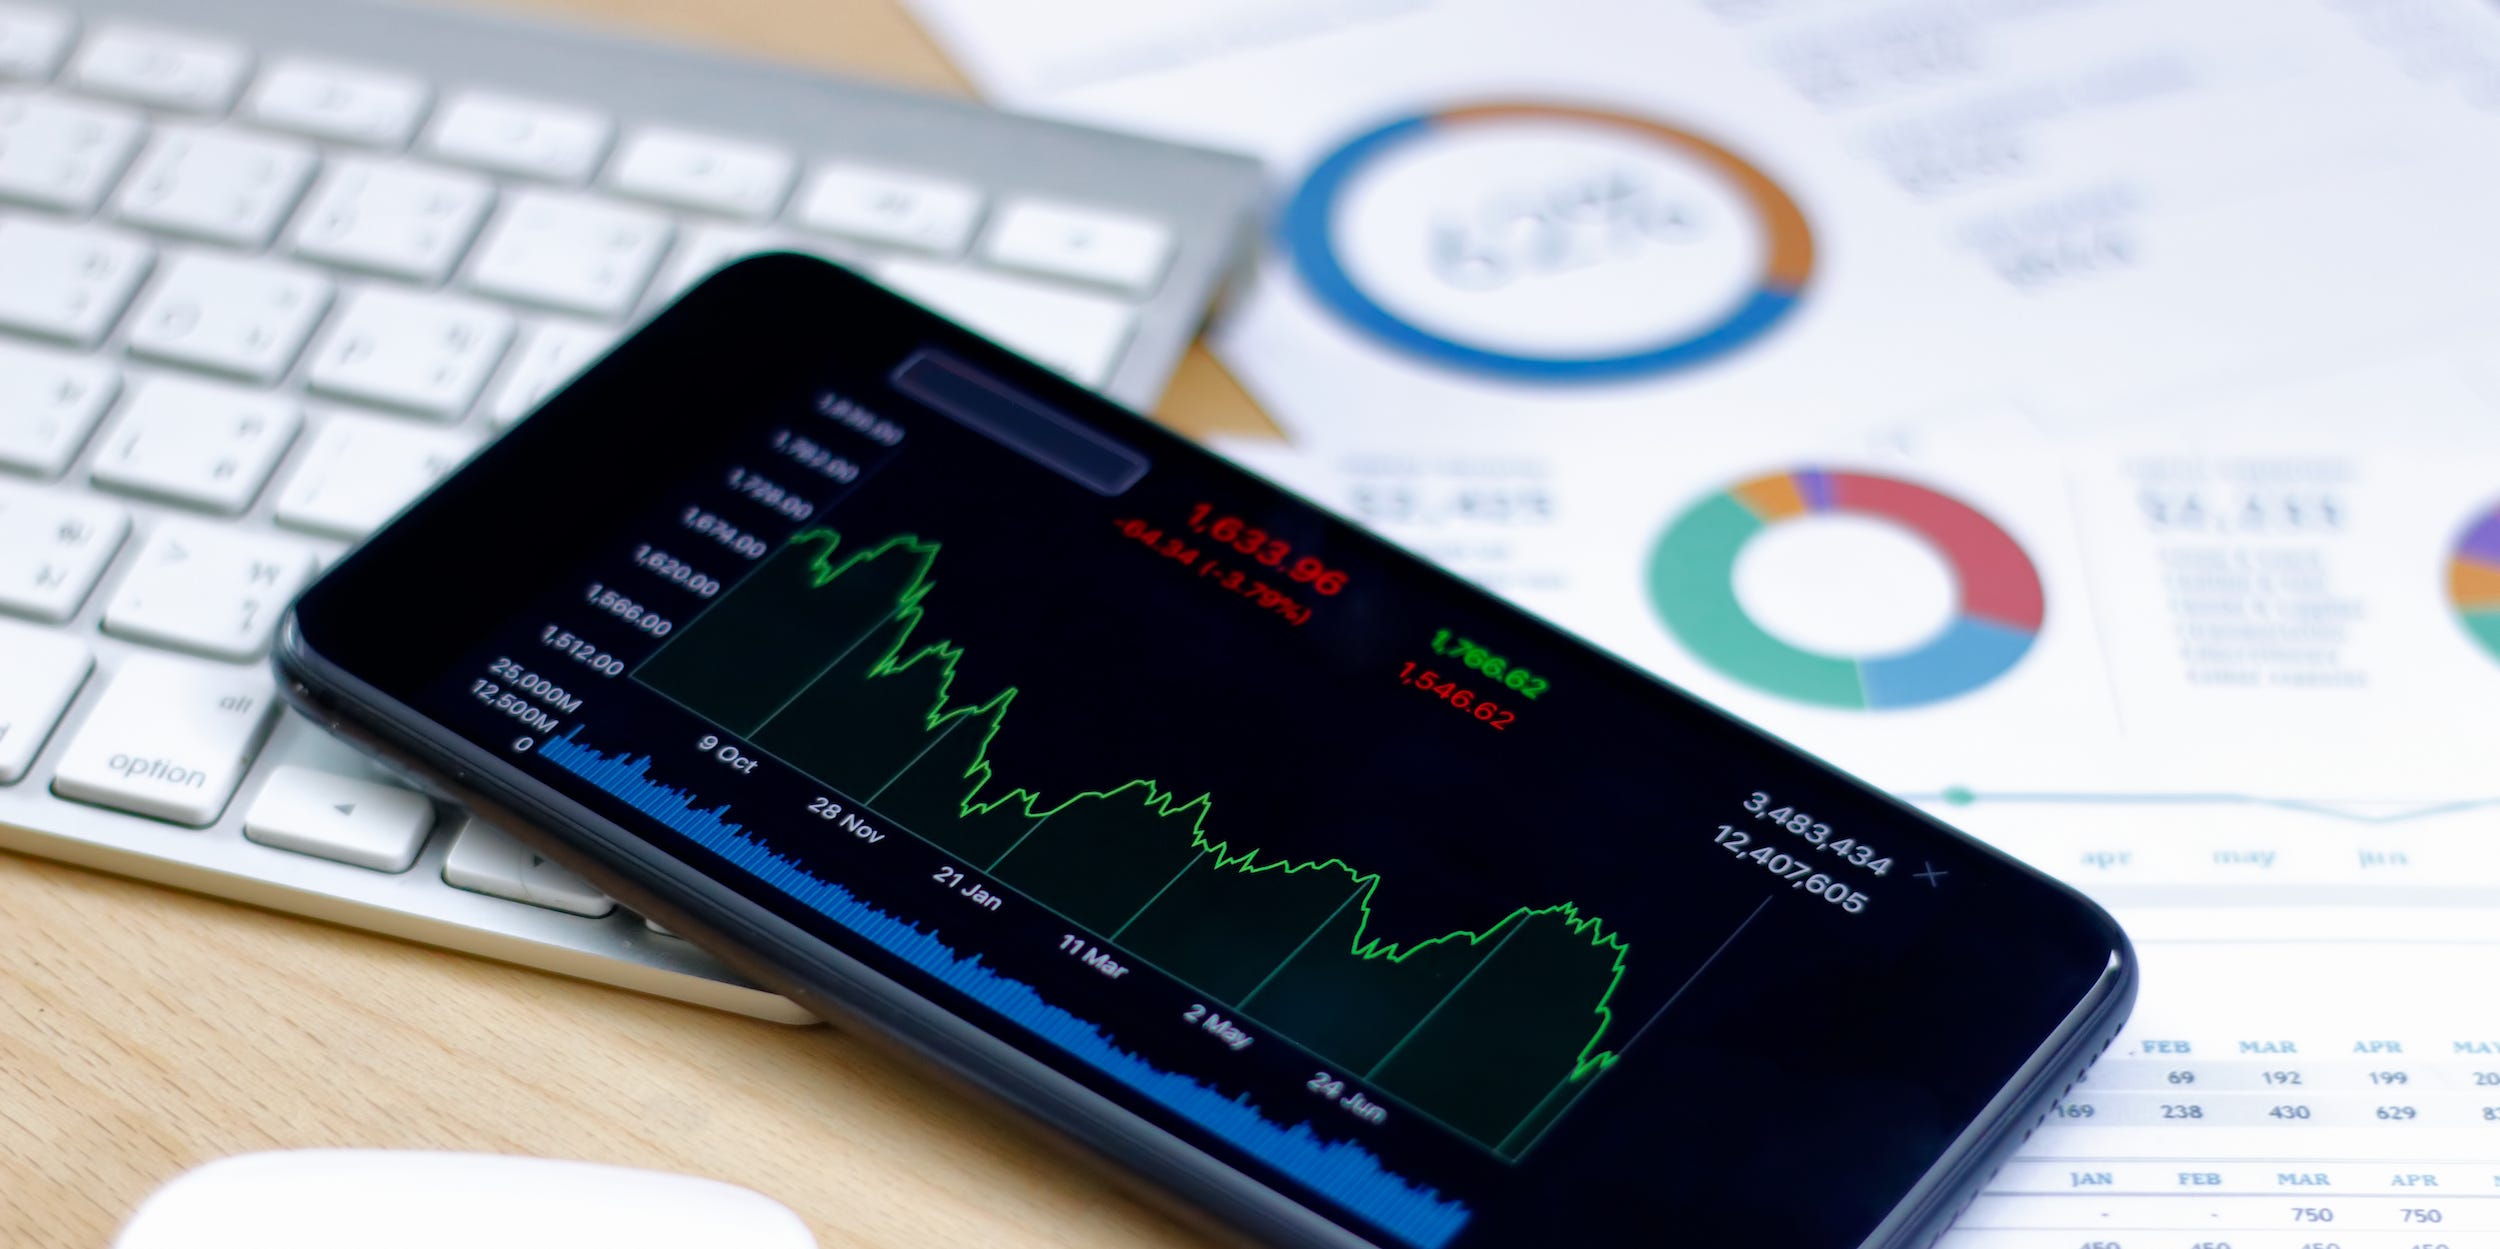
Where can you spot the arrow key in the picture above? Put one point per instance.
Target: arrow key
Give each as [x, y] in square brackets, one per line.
[341, 818]
[485, 859]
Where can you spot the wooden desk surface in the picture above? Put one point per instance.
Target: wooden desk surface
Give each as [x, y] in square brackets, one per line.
[144, 1031]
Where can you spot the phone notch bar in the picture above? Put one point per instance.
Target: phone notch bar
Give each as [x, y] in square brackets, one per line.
[1045, 435]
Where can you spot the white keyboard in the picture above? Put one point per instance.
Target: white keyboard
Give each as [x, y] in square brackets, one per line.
[269, 268]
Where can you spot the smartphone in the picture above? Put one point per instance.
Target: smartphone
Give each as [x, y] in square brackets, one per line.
[1342, 902]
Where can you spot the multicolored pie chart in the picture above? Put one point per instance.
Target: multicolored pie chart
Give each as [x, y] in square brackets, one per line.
[1997, 613]
[2474, 580]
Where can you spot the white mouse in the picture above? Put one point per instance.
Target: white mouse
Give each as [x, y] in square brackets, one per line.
[389, 1199]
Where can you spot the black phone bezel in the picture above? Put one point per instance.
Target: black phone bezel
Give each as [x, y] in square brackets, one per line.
[756, 330]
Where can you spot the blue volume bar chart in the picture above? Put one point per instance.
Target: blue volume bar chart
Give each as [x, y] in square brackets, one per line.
[1343, 1171]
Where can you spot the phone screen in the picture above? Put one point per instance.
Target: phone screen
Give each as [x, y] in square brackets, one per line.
[1409, 906]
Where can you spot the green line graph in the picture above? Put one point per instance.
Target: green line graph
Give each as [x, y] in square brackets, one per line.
[817, 657]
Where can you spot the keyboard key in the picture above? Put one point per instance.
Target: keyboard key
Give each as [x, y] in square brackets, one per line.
[339, 103]
[223, 186]
[426, 353]
[201, 444]
[704, 172]
[68, 282]
[360, 470]
[1090, 245]
[248, 318]
[170, 739]
[62, 154]
[551, 353]
[340, 818]
[395, 218]
[31, 40]
[207, 589]
[484, 859]
[573, 252]
[43, 673]
[1078, 334]
[507, 134]
[53, 548]
[49, 402]
[900, 209]
[161, 68]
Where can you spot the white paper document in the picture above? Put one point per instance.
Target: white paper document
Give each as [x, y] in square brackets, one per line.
[2246, 1106]
[1996, 622]
[2079, 419]
[1019, 51]
[1656, 222]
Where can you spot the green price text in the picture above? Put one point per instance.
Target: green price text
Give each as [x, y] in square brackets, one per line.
[1477, 659]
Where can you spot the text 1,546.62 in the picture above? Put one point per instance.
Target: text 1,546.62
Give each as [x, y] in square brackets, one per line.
[1490, 714]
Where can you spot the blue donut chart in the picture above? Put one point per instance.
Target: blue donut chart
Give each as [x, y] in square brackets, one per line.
[1309, 238]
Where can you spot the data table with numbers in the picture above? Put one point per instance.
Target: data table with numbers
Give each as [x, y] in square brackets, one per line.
[2243, 1108]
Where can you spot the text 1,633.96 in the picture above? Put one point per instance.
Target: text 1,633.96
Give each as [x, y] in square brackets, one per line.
[1265, 548]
